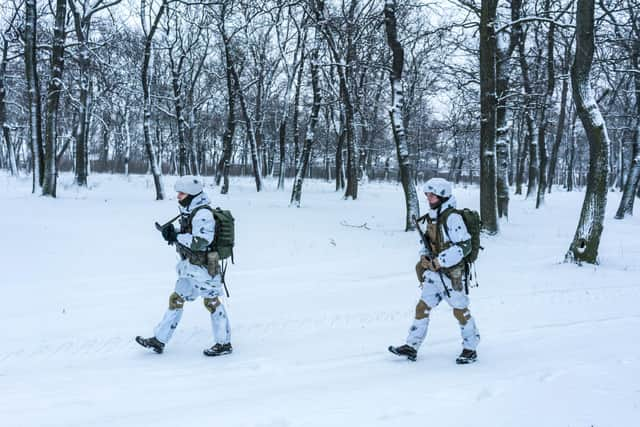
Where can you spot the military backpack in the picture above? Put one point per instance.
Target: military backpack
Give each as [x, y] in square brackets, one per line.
[224, 235]
[473, 223]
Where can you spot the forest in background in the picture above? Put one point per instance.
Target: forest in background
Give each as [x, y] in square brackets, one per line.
[515, 95]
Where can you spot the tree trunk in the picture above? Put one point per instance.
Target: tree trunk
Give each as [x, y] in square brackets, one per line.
[521, 155]
[296, 114]
[545, 107]
[339, 160]
[488, 166]
[6, 131]
[553, 161]
[146, 124]
[53, 98]
[224, 163]
[33, 94]
[633, 176]
[176, 69]
[531, 138]
[127, 133]
[412, 207]
[255, 161]
[584, 247]
[502, 126]
[303, 163]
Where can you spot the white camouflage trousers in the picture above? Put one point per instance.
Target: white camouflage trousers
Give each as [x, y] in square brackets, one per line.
[193, 282]
[433, 292]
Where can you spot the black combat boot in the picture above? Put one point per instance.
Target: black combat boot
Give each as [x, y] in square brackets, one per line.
[405, 350]
[218, 350]
[467, 356]
[152, 342]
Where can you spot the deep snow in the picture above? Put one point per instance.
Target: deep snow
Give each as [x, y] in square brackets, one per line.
[315, 301]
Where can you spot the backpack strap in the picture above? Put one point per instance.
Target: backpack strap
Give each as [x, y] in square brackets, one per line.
[443, 217]
[193, 214]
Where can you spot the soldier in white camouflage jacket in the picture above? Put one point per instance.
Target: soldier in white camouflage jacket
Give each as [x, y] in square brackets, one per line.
[196, 275]
[442, 277]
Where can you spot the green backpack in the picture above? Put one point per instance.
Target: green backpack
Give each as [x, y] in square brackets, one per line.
[473, 223]
[224, 236]
[224, 239]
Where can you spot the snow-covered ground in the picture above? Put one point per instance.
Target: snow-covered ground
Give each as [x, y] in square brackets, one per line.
[315, 301]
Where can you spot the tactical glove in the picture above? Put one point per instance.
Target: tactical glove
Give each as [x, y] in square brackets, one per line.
[169, 234]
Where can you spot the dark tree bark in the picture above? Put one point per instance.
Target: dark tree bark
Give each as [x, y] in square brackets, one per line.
[521, 154]
[33, 94]
[531, 138]
[631, 185]
[6, 131]
[340, 181]
[488, 104]
[222, 173]
[295, 120]
[544, 108]
[53, 99]
[504, 49]
[412, 207]
[176, 86]
[553, 160]
[344, 61]
[585, 243]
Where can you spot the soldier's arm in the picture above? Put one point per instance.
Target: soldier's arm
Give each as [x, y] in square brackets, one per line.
[202, 231]
[460, 238]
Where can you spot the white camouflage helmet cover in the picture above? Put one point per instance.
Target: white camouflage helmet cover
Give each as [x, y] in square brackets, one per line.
[189, 184]
[438, 186]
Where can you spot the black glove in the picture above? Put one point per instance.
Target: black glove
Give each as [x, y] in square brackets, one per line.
[169, 234]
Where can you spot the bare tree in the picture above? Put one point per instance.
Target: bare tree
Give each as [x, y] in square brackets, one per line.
[33, 94]
[310, 137]
[53, 99]
[585, 243]
[488, 104]
[150, 21]
[397, 122]
[4, 125]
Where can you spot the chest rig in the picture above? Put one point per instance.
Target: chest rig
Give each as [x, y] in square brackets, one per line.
[436, 232]
[186, 226]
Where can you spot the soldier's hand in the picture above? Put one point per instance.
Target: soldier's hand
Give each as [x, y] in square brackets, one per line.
[425, 262]
[169, 234]
[430, 264]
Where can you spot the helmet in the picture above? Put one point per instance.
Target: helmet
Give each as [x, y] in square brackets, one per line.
[189, 184]
[438, 186]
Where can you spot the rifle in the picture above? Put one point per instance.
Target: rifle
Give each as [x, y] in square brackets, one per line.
[426, 242]
[161, 228]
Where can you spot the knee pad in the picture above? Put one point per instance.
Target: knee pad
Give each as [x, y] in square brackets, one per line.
[211, 304]
[462, 315]
[176, 302]
[422, 310]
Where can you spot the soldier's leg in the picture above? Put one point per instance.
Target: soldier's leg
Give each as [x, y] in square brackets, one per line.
[429, 299]
[219, 320]
[459, 301]
[171, 318]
